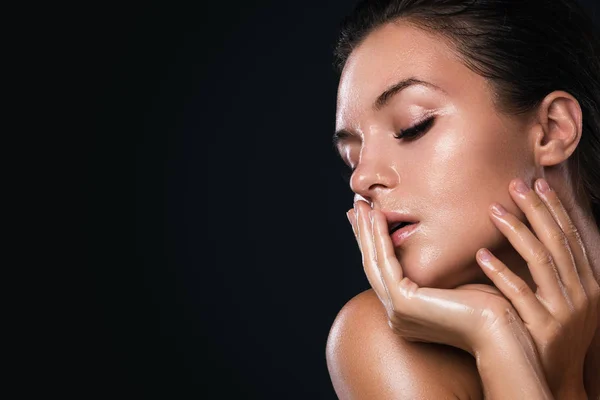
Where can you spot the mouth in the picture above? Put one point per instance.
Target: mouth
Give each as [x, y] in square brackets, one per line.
[399, 221]
[399, 225]
[401, 231]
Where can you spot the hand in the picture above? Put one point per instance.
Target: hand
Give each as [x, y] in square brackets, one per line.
[561, 315]
[467, 317]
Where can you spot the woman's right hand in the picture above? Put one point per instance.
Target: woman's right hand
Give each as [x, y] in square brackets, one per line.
[560, 318]
[465, 317]
[476, 318]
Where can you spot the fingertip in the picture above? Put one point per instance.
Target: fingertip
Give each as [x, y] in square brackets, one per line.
[542, 186]
[484, 255]
[484, 259]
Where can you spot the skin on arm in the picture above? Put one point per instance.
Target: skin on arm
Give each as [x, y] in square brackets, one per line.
[367, 360]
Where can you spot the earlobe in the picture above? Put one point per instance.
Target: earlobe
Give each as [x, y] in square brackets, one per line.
[559, 128]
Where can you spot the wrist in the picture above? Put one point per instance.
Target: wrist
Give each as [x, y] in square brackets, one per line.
[510, 345]
[508, 332]
[509, 371]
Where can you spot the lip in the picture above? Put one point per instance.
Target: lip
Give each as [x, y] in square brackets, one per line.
[400, 236]
[394, 217]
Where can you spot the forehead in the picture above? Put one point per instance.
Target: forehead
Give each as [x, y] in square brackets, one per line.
[392, 52]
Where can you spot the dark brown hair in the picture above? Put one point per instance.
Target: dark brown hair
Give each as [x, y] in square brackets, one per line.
[525, 48]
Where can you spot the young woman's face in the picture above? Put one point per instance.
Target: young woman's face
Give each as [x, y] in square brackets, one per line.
[449, 175]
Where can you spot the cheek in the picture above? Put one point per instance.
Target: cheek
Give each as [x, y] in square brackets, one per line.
[463, 180]
[462, 177]
[467, 173]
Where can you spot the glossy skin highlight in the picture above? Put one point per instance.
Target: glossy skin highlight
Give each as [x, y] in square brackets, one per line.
[448, 176]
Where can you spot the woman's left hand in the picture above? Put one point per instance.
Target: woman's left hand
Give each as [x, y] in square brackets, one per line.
[562, 314]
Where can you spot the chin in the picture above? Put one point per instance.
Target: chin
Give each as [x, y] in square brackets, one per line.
[430, 267]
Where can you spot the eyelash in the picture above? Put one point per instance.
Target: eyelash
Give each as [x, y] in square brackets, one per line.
[416, 130]
[410, 134]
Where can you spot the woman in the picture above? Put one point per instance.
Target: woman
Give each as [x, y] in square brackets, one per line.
[475, 125]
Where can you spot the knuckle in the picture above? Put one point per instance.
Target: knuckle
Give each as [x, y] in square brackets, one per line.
[500, 269]
[509, 315]
[496, 311]
[542, 256]
[522, 289]
[553, 200]
[558, 236]
[570, 230]
[519, 227]
[537, 204]
[553, 330]
[580, 300]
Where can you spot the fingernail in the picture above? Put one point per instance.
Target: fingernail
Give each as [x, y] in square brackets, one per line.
[485, 255]
[349, 218]
[542, 186]
[521, 187]
[498, 209]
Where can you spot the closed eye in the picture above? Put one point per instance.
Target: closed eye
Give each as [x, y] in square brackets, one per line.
[409, 134]
[417, 130]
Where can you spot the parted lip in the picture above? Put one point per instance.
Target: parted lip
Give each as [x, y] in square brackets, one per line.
[394, 219]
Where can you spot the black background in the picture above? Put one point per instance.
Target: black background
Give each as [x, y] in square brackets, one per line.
[219, 249]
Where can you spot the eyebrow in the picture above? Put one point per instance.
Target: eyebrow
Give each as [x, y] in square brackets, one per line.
[383, 100]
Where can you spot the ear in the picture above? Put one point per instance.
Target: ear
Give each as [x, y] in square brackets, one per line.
[558, 128]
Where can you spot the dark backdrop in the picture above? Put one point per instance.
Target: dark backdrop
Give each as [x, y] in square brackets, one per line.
[219, 248]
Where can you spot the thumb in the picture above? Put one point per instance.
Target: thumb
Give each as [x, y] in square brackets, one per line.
[439, 306]
[446, 316]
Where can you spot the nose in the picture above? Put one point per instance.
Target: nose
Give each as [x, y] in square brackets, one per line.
[373, 175]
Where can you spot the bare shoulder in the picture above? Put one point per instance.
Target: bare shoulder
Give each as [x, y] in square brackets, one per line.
[367, 360]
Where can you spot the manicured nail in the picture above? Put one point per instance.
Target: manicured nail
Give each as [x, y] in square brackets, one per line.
[521, 187]
[498, 209]
[349, 218]
[542, 186]
[485, 255]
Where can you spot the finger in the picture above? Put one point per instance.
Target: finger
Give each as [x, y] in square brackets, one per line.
[538, 258]
[580, 271]
[513, 288]
[550, 234]
[352, 219]
[391, 270]
[444, 310]
[367, 248]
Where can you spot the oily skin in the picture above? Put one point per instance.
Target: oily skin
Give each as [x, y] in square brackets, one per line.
[449, 176]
